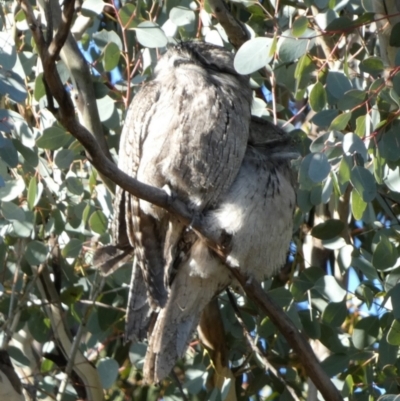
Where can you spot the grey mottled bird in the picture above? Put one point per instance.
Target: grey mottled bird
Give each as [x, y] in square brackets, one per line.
[185, 131]
[257, 212]
[188, 131]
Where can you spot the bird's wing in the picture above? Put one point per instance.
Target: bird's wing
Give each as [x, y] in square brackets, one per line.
[132, 226]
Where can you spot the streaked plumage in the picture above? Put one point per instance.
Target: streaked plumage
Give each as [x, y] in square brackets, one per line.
[257, 213]
[185, 131]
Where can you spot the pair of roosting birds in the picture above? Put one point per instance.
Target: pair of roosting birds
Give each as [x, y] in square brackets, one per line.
[190, 131]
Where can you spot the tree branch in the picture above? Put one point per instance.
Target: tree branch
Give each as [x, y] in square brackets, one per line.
[236, 30]
[66, 117]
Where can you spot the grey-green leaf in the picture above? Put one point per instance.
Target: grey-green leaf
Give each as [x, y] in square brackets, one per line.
[318, 97]
[352, 143]
[36, 253]
[363, 181]
[53, 138]
[149, 34]
[253, 55]
[337, 84]
[385, 254]
[319, 167]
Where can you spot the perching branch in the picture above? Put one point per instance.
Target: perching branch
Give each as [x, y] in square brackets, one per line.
[66, 116]
[236, 30]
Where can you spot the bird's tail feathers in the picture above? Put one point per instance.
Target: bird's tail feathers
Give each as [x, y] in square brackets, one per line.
[177, 321]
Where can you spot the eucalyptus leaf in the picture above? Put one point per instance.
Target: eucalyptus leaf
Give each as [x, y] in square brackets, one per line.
[149, 34]
[12, 85]
[53, 138]
[108, 371]
[365, 332]
[385, 254]
[291, 48]
[318, 97]
[337, 84]
[352, 143]
[36, 253]
[328, 229]
[253, 55]
[363, 181]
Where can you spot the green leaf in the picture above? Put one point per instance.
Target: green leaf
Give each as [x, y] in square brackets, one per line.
[395, 36]
[38, 326]
[299, 26]
[111, 56]
[126, 14]
[104, 37]
[282, 296]
[389, 145]
[385, 254]
[352, 144]
[310, 322]
[357, 204]
[32, 193]
[98, 222]
[373, 66]
[149, 34]
[396, 83]
[64, 158]
[8, 53]
[340, 122]
[393, 335]
[137, 352]
[182, 16]
[8, 153]
[12, 190]
[319, 167]
[363, 181]
[291, 48]
[12, 86]
[330, 288]
[335, 313]
[72, 249]
[318, 98]
[361, 126]
[328, 229]
[351, 99]
[335, 363]
[324, 118]
[365, 332]
[59, 221]
[53, 138]
[108, 372]
[30, 155]
[395, 298]
[36, 253]
[106, 106]
[392, 179]
[339, 25]
[365, 267]
[92, 8]
[11, 212]
[253, 55]
[39, 90]
[337, 84]
[74, 185]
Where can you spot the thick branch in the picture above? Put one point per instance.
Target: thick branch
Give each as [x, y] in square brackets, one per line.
[66, 116]
[236, 30]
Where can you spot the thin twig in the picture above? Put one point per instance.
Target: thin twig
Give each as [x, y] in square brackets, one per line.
[256, 348]
[179, 385]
